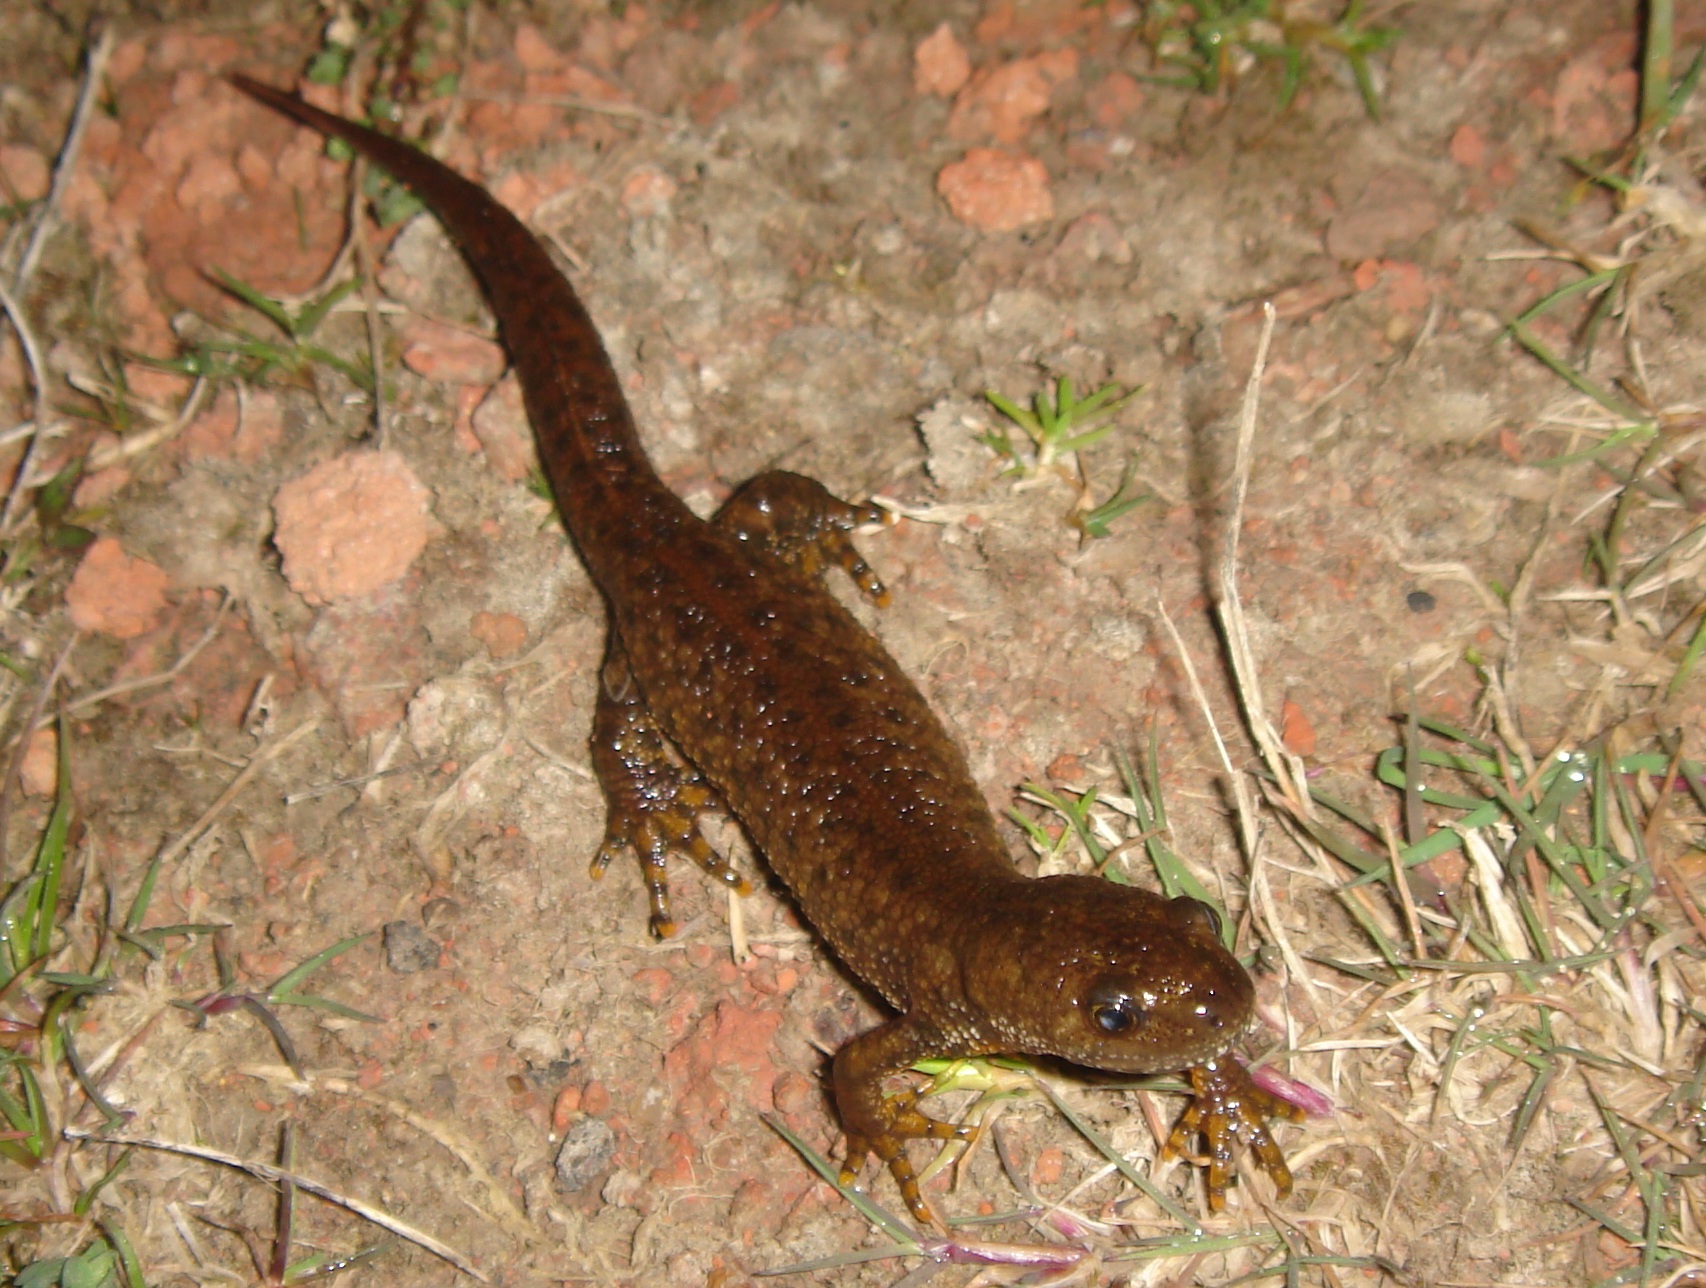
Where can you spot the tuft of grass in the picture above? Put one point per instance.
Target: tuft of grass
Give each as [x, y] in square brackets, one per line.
[1056, 426]
[1059, 426]
[283, 991]
[1563, 879]
[1106, 825]
[236, 353]
[1205, 43]
[52, 975]
[40, 1065]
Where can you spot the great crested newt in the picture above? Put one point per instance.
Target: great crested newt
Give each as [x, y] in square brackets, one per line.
[734, 680]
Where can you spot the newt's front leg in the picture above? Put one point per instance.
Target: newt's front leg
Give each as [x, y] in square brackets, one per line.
[881, 1124]
[803, 524]
[1229, 1106]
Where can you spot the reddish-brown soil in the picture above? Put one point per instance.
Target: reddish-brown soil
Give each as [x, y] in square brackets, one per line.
[806, 244]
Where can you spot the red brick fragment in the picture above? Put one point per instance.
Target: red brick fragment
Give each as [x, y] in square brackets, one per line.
[351, 525]
[940, 64]
[996, 191]
[115, 593]
[1296, 731]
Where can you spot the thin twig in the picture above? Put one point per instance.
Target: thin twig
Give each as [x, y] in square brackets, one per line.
[1285, 767]
[359, 780]
[625, 110]
[94, 74]
[278, 1175]
[1259, 893]
[167, 428]
[503, 1208]
[38, 379]
[1246, 682]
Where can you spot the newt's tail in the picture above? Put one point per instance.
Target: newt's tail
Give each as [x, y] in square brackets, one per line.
[587, 441]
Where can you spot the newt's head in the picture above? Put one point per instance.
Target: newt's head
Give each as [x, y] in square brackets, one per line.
[1108, 976]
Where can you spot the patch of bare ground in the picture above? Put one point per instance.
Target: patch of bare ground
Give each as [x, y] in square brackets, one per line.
[300, 967]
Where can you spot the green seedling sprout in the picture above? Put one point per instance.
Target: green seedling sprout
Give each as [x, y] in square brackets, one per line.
[1056, 426]
[1096, 521]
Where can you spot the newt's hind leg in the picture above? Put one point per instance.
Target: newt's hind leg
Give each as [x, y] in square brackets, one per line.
[800, 522]
[653, 795]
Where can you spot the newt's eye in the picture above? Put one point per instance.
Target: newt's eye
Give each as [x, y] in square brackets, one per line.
[1205, 913]
[1115, 1011]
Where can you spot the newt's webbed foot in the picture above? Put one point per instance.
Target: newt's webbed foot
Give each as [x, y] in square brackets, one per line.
[888, 1143]
[879, 1124]
[654, 797]
[800, 522]
[1228, 1107]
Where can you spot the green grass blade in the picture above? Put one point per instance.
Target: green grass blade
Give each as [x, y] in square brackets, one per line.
[1105, 1148]
[286, 983]
[314, 313]
[257, 300]
[144, 896]
[129, 1263]
[1582, 385]
[50, 858]
[889, 1225]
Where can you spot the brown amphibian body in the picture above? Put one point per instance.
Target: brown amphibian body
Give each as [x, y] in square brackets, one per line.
[726, 647]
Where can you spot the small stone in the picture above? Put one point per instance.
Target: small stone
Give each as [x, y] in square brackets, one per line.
[503, 634]
[1002, 102]
[229, 430]
[1393, 213]
[500, 425]
[1419, 601]
[451, 355]
[940, 64]
[24, 172]
[1468, 147]
[39, 772]
[408, 948]
[586, 1150]
[1297, 732]
[115, 593]
[996, 191]
[1116, 99]
[350, 525]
